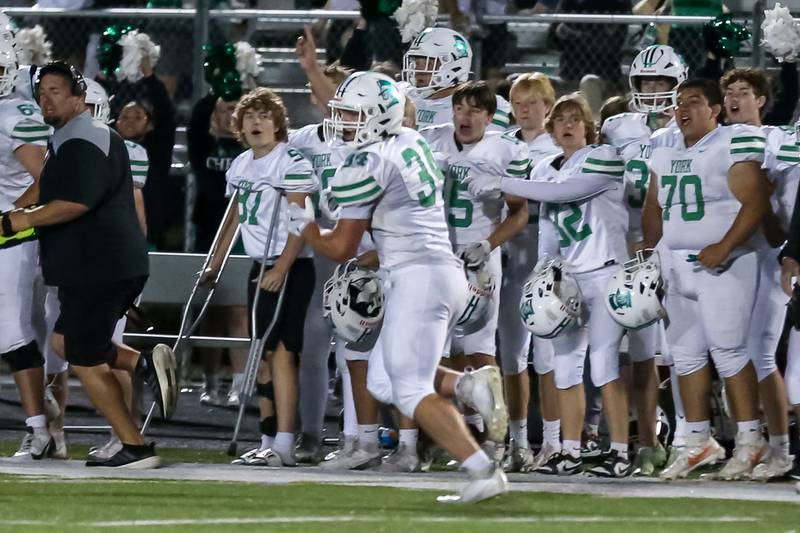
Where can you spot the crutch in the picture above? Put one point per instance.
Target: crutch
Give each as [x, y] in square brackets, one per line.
[185, 333]
[257, 343]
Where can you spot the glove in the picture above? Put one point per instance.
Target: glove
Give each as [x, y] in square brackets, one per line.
[328, 205]
[300, 217]
[476, 254]
[483, 185]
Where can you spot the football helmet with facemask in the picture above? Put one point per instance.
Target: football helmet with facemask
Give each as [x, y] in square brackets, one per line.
[97, 98]
[352, 301]
[446, 56]
[656, 61]
[475, 315]
[378, 104]
[634, 295]
[8, 67]
[551, 300]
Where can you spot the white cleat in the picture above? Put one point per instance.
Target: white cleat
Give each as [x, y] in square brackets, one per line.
[267, 457]
[518, 459]
[481, 487]
[482, 390]
[544, 455]
[745, 457]
[246, 456]
[58, 449]
[357, 459]
[693, 457]
[33, 446]
[107, 450]
[403, 459]
[777, 466]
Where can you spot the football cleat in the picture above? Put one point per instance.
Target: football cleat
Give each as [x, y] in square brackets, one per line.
[692, 457]
[649, 459]
[482, 390]
[211, 397]
[403, 459]
[518, 459]
[356, 459]
[561, 464]
[745, 458]
[613, 465]
[484, 485]
[245, 457]
[58, 448]
[777, 466]
[545, 453]
[591, 448]
[269, 457]
[309, 451]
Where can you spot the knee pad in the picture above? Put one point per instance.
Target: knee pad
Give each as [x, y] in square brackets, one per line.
[266, 390]
[764, 364]
[729, 362]
[24, 358]
[568, 371]
[269, 426]
[685, 364]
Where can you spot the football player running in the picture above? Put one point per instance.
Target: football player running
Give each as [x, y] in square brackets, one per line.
[436, 63]
[532, 96]
[706, 200]
[583, 223]
[747, 93]
[391, 185]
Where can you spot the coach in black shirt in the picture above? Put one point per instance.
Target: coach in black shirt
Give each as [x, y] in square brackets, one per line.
[93, 250]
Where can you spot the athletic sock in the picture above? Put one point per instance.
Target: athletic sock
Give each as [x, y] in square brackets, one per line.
[748, 431]
[475, 421]
[236, 383]
[779, 445]
[572, 448]
[698, 433]
[519, 432]
[621, 448]
[266, 442]
[284, 442]
[409, 438]
[368, 436]
[37, 423]
[477, 463]
[552, 433]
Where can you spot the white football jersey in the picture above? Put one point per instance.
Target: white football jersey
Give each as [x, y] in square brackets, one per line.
[630, 135]
[698, 207]
[256, 181]
[140, 163]
[591, 233]
[539, 148]
[21, 123]
[782, 163]
[469, 218]
[324, 159]
[432, 112]
[397, 184]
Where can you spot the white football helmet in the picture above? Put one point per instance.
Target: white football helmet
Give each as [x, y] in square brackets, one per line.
[656, 61]
[635, 293]
[8, 68]
[481, 285]
[352, 300]
[551, 300]
[97, 98]
[378, 103]
[447, 55]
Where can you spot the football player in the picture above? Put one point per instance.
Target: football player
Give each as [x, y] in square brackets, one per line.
[391, 183]
[437, 61]
[707, 197]
[747, 94]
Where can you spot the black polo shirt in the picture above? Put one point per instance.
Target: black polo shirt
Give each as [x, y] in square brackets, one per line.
[87, 163]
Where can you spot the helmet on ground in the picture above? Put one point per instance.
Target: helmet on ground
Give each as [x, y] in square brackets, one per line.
[551, 300]
[352, 300]
[634, 295]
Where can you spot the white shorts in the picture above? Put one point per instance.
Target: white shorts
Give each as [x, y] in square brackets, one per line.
[421, 308]
[484, 340]
[19, 267]
[769, 314]
[543, 356]
[710, 312]
[598, 330]
[640, 344]
[514, 338]
[793, 367]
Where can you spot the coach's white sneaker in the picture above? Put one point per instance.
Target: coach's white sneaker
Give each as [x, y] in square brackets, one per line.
[482, 390]
[483, 486]
[34, 445]
[745, 457]
[776, 467]
[107, 450]
[360, 458]
[403, 459]
[692, 457]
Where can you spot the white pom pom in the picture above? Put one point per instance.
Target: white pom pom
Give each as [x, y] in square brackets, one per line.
[33, 48]
[781, 34]
[413, 16]
[247, 64]
[135, 47]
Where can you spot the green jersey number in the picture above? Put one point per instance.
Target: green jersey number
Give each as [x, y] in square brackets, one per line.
[689, 188]
[428, 173]
[248, 215]
[454, 202]
[26, 109]
[636, 198]
[567, 231]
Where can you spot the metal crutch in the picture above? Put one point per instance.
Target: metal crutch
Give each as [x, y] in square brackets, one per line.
[257, 343]
[185, 333]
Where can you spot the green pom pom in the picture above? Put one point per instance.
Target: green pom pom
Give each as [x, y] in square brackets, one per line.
[109, 52]
[220, 71]
[724, 37]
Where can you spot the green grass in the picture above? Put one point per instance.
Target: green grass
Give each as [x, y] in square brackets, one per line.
[67, 506]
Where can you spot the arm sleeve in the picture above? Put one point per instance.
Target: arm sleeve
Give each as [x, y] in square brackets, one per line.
[548, 239]
[355, 187]
[782, 108]
[29, 131]
[577, 190]
[83, 174]
[139, 165]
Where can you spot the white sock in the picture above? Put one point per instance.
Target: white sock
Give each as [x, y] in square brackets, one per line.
[698, 432]
[37, 423]
[284, 441]
[679, 437]
[350, 428]
[409, 438]
[475, 421]
[572, 447]
[519, 432]
[266, 442]
[779, 445]
[621, 448]
[238, 379]
[749, 430]
[477, 462]
[368, 436]
[552, 433]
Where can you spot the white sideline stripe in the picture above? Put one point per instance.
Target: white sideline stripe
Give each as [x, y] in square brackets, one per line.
[377, 519]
